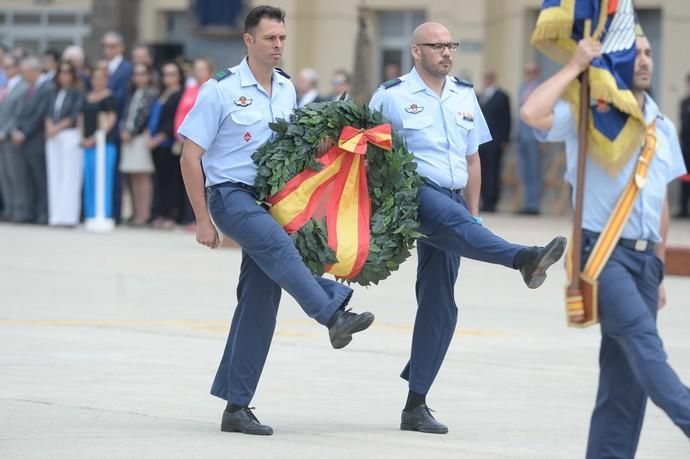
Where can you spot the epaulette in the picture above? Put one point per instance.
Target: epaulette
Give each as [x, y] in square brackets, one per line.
[391, 83]
[282, 72]
[462, 82]
[222, 74]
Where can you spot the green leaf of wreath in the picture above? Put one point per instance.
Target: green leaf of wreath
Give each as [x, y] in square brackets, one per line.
[392, 178]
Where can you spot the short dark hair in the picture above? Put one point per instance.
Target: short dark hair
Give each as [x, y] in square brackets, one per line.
[180, 75]
[343, 73]
[76, 82]
[263, 11]
[52, 53]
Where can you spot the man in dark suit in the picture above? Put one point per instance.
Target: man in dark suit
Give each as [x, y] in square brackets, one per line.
[119, 78]
[307, 87]
[119, 68]
[15, 199]
[29, 136]
[341, 83]
[495, 105]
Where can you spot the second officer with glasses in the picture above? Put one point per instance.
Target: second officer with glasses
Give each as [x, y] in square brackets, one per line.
[441, 121]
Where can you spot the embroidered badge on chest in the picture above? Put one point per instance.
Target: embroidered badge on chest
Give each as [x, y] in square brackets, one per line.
[414, 109]
[247, 136]
[242, 101]
[467, 116]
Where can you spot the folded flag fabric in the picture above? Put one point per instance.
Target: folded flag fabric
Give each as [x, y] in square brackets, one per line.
[616, 123]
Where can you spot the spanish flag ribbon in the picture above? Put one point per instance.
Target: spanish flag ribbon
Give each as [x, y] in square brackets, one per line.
[347, 216]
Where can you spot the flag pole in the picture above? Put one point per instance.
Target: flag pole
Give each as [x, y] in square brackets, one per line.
[576, 254]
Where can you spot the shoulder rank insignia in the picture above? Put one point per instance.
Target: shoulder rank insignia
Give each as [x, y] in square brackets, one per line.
[243, 101]
[462, 82]
[414, 109]
[282, 72]
[222, 74]
[391, 83]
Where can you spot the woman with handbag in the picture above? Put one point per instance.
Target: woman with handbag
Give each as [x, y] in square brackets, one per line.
[136, 161]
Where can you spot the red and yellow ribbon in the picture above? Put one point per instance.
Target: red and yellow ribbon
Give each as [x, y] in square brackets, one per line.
[348, 211]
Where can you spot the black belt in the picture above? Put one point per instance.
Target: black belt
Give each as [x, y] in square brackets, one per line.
[243, 186]
[440, 188]
[638, 245]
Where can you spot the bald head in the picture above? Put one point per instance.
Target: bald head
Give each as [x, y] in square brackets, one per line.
[431, 32]
[113, 45]
[432, 50]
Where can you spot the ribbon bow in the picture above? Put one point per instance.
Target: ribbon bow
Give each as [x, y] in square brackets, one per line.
[347, 216]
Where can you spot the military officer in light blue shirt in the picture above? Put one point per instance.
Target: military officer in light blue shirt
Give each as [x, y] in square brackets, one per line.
[441, 121]
[633, 363]
[228, 122]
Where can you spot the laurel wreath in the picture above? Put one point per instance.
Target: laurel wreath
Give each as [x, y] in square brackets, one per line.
[392, 179]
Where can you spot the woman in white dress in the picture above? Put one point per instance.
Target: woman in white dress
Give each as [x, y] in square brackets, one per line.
[64, 156]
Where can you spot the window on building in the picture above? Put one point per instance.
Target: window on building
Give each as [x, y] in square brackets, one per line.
[394, 29]
[62, 19]
[58, 44]
[27, 18]
[31, 46]
[37, 31]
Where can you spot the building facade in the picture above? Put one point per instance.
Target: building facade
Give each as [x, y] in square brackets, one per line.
[322, 33]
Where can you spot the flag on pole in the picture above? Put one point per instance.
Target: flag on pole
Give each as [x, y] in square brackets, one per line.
[616, 123]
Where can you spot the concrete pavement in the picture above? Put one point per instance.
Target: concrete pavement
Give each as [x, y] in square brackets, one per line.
[109, 343]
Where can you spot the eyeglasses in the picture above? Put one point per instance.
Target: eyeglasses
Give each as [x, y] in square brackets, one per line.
[452, 46]
[109, 45]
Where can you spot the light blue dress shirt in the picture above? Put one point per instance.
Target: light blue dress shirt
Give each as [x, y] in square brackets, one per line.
[440, 131]
[230, 122]
[602, 190]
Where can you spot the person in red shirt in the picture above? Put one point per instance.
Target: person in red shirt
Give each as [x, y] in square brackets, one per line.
[203, 71]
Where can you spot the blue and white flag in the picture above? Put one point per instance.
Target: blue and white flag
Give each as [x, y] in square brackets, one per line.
[616, 123]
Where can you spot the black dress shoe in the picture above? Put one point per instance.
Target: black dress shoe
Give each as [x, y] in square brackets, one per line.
[243, 421]
[345, 323]
[539, 259]
[420, 419]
